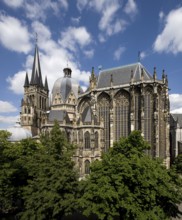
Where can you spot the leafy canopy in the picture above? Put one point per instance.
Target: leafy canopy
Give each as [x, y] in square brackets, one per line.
[128, 184]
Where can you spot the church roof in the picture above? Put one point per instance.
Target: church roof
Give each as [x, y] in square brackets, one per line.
[36, 78]
[64, 85]
[26, 84]
[177, 118]
[122, 75]
[58, 115]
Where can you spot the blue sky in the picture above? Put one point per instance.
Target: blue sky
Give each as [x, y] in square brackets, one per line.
[86, 34]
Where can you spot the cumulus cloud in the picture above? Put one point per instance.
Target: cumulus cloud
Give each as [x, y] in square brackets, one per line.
[81, 4]
[73, 37]
[131, 8]
[7, 107]
[75, 20]
[8, 121]
[169, 41]
[89, 53]
[36, 9]
[14, 34]
[175, 103]
[14, 3]
[16, 82]
[54, 57]
[109, 23]
[119, 52]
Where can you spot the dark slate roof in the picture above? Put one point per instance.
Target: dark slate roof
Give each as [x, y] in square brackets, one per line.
[46, 85]
[64, 86]
[36, 78]
[178, 118]
[58, 115]
[122, 75]
[26, 84]
[87, 115]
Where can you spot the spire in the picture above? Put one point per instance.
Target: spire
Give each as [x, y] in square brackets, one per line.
[93, 79]
[154, 74]
[36, 78]
[26, 84]
[46, 84]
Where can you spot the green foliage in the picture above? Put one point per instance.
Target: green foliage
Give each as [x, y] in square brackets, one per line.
[37, 180]
[13, 174]
[52, 191]
[130, 185]
[178, 164]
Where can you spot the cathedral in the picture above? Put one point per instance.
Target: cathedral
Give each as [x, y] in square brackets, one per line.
[116, 102]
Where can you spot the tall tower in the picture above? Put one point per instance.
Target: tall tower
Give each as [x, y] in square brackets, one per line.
[35, 102]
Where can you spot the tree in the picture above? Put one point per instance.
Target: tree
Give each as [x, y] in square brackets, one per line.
[52, 192]
[128, 184]
[13, 173]
[178, 164]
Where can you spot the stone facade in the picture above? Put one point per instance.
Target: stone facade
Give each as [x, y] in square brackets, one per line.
[117, 101]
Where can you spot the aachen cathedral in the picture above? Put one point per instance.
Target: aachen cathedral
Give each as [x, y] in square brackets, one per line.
[117, 101]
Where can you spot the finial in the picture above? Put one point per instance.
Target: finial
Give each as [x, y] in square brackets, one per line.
[111, 81]
[36, 38]
[142, 74]
[67, 63]
[92, 69]
[139, 56]
[131, 76]
[155, 74]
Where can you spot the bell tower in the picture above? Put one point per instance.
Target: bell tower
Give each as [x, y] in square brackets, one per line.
[35, 102]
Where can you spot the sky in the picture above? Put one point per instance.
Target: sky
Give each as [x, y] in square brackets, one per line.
[84, 34]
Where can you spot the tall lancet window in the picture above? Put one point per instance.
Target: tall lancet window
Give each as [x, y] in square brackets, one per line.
[87, 167]
[104, 114]
[96, 141]
[121, 114]
[87, 140]
[148, 116]
[162, 123]
[137, 105]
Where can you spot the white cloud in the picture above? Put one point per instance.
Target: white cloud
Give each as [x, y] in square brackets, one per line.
[8, 121]
[16, 82]
[75, 20]
[109, 22]
[14, 35]
[81, 4]
[142, 55]
[101, 38]
[161, 15]
[175, 103]
[38, 9]
[89, 53]
[13, 3]
[7, 107]
[131, 8]
[42, 31]
[54, 57]
[74, 37]
[119, 52]
[169, 40]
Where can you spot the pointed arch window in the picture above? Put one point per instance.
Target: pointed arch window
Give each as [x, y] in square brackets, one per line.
[162, 123]
[137, 108]
[121, 115]
[87, 167]
[96, 141]
[87, 140]
[104, 114]
[148, 116]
